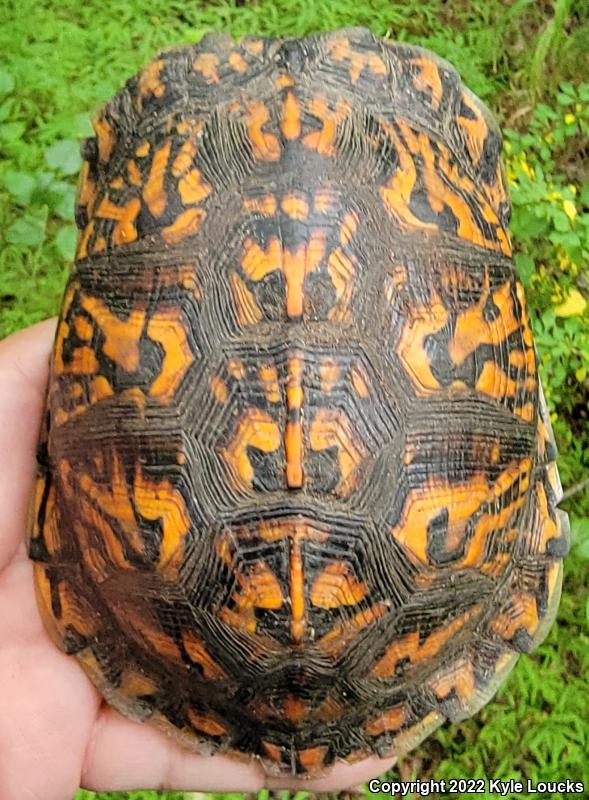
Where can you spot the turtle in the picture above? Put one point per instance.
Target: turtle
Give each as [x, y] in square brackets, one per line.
[297, 487]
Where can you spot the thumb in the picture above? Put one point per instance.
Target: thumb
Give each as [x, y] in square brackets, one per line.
[24, 367]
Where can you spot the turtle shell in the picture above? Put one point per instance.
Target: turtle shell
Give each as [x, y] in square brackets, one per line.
[297, 494]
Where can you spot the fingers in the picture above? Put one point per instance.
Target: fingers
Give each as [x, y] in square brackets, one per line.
[48, 706]
[125, 755]
[24, 364]
[342, 776]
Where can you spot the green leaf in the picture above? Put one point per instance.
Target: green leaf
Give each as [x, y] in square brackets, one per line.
[568, 89]
[525, 267]
[580, 537]
[66, 126]
[66, 241]
[569, 239]
[6, 82]
[526, 225]
[11, 132]
[20, 185]
[6, 109]
[561, 221]
[104, 90]
[62, 200]
[45, 180]
[64, 156]
[28, 230]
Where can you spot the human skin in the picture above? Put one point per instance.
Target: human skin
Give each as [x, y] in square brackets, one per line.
[56, 733]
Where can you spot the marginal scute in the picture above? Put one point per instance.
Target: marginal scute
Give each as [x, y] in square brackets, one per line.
[296, 491]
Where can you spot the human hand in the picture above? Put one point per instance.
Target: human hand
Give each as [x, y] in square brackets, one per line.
[56, 733]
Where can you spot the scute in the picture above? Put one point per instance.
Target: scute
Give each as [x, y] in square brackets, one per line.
[297, 494]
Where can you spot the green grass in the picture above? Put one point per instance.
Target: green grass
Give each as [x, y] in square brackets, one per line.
[60, 60]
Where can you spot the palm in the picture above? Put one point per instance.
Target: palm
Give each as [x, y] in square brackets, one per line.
[55, 732]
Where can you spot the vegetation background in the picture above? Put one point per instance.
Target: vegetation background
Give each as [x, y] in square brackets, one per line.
[529, 60]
